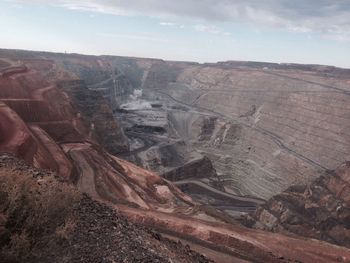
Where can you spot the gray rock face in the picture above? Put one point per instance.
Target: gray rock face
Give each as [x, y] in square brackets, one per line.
[264, 127]
[200, 168]
[319, 210]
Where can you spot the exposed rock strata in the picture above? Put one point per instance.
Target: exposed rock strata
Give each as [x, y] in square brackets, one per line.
[320, 210]
[201, 168]
[264, 126]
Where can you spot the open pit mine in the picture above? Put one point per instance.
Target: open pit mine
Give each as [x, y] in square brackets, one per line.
[225, 162]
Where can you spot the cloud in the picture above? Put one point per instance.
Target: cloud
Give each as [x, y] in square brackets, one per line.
[208, 29]
[167, 24]
[172, 24]
[211, 29]
[328, 17]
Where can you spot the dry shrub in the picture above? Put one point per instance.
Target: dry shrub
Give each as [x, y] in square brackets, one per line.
[19, 246]
[65, 230]
[39, 210]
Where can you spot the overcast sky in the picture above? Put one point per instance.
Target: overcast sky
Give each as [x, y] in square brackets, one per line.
[301, 31]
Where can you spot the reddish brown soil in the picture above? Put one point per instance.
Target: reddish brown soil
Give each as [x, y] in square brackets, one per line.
[248, 244]
[7, 72]
[15, 135]
[61, 131]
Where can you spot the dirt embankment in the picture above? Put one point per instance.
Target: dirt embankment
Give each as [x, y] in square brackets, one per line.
[235, 240]
[7, 72]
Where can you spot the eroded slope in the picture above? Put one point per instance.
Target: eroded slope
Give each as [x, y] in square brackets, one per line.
[320, 210]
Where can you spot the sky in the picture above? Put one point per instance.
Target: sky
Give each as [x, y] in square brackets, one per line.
[282, 31]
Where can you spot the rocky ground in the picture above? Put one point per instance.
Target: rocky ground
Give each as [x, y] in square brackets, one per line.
[73, 227]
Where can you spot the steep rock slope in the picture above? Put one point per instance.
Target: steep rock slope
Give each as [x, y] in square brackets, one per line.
[94, 109]
[270, 126]
[319, 210]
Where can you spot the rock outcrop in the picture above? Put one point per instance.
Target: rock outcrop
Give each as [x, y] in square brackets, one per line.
[319, 210]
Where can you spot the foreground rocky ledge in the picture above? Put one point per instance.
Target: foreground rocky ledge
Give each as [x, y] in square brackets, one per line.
[42, 220]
